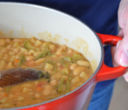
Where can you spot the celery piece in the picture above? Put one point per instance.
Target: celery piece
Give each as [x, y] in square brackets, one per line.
[76, 57]
[65, 71]
[68, 85]
[46, 52]
[27, 45]
[22, 60]
[68, 59]
[60, 86]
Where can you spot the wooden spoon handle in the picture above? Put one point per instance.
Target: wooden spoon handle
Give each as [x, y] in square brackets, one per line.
[15, 76]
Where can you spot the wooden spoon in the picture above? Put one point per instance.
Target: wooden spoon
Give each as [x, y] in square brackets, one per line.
[18, 75]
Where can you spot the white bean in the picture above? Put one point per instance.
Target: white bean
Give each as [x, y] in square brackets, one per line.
[78, 70]
[82, 63]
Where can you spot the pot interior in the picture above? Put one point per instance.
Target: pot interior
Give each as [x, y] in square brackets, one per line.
[24, 20]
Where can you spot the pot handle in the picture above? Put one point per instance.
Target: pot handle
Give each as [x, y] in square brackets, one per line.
[108, 73]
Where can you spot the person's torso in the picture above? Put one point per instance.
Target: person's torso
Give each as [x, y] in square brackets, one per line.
[98, 14]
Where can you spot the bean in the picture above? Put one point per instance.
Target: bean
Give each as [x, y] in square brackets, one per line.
[60, 50]
[37, 43]
[31, 93]
[12, 58]
[2, 42]
[8, 47]
[5, 57]
[78, 70]
[48, 67]
[36, 54]
[16, 50]
[41, 60]
[10, 65]
[70, 51]
[3, 100]
[20, 98]
[36, 82]
[33, 39]
[47, 90]
[11, 53]
[83, 75]
[73, 66]
[30, 63]
[82, 63]
[56, 76]
[28, 58]
[37, 95]
[53, 82]
[16, 40]
[15, 44]
[25, 89]
[52, 47]
[75, 80]
[31, 52]
[1, 88]
[2, 64]
[8, 40]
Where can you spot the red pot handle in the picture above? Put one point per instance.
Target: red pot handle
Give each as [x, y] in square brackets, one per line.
[108, 73]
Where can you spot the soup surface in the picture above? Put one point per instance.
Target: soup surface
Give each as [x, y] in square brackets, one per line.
[63, 68]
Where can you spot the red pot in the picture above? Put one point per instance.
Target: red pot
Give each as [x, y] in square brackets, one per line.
[19, 18]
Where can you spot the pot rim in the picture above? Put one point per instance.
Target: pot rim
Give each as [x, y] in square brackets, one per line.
[68, 15]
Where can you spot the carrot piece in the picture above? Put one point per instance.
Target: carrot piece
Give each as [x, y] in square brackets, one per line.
[16, 61]
[38, 89]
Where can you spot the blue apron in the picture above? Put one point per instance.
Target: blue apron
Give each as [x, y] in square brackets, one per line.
[101, 16]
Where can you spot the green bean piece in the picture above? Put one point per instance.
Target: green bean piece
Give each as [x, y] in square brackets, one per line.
[68, 59]
[22, 60]
[27, 45]
[60, 86]
[76, 57]
[45, 53]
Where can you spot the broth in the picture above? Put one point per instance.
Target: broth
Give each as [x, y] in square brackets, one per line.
[65, 69]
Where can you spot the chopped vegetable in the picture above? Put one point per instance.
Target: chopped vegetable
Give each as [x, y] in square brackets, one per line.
[68, 83]
[65, 71]
[3, 100]
[38, 89]
[22, 60]
[76, 57]
[65, 59]
[27, 45]
[63, 86]
[60, 86]
[69, 59]
[45, 53]
[16, 61]
[48, 66]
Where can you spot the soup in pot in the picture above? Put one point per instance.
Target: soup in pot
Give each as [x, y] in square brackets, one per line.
[64, 69]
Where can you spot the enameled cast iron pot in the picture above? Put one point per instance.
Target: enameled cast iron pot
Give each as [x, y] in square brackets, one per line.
[25, 20]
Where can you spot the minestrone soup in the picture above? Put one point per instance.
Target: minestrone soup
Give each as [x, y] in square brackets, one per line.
[64, 69]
